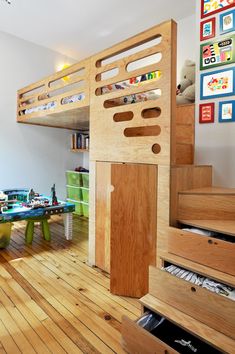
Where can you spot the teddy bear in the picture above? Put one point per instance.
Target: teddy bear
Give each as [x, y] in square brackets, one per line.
[185, 92]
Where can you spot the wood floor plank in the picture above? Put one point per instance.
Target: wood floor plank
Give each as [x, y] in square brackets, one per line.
[54, 299]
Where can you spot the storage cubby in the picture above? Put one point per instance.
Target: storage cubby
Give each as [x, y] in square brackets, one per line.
[78, 191]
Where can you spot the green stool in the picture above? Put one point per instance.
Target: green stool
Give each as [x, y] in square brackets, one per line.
[30, 228]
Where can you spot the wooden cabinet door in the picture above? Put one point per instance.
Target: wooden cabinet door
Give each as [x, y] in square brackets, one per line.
[133, 227]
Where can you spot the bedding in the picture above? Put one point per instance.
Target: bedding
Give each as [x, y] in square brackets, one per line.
[135, 81]
[52, 105]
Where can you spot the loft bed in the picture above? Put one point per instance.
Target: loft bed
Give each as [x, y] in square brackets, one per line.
[60, 100]
[125, 81]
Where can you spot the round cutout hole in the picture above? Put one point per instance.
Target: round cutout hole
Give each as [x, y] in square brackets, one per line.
[156, 148]
[193, 289]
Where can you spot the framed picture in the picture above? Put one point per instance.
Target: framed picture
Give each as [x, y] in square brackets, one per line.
[206, 112]
[227, 22]
[218, 83]
[227, 111]
[210, 7]
[207, 29]
[216, 53]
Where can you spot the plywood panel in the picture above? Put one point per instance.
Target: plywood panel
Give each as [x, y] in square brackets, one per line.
[108, 141]
[133, 227]
[103, 200]
[187, 177]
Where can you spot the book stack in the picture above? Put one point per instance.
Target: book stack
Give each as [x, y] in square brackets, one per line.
[80, 141]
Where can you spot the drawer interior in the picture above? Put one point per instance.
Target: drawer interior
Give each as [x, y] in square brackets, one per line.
[174, 336]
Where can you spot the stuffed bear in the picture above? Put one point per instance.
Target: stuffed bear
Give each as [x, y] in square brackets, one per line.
[185, 92]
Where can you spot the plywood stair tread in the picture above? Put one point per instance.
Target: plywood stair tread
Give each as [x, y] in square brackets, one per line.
[210, 335]
[223, 226]
[210, 191]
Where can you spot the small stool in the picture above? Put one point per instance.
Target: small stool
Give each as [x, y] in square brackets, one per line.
[30, 228]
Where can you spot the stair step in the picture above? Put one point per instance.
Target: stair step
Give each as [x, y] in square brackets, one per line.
[209, 203]
[210, 191]
[226, 227]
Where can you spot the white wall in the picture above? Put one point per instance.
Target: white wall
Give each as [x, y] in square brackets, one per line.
[215, 143]
[30, 156]
[186, 38]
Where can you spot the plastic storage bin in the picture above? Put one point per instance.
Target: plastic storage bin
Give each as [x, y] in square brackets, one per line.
[74, 178]
[78, 207]
[74, 193]
[5, 234]
[85, 194]
[85, 209]
[85, 179]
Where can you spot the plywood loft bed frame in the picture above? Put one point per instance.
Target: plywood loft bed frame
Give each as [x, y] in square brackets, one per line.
[61, 100]
[141, 176]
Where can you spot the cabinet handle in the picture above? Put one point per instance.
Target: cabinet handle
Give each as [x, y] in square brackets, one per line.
[193, 289]
[210, 242]
[166, 352]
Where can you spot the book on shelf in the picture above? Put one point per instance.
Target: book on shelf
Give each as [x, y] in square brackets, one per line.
[80, 140]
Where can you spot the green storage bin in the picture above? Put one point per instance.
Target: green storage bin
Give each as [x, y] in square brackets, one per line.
[74, 178]
[85, 194]
[5, 234]
[74, 193]
[85, 209]
[85, 179]
[78, 207]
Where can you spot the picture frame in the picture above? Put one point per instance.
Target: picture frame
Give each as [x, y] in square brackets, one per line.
[218, 83]
[207, 29]
[227, 21]
[227, 111]
[210, 7]
[206, 112]
[217, 53]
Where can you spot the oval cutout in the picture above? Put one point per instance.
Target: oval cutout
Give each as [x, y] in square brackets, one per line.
[123, 116]
[107, 75]
[135, 98]
[152, 130]
[156, 148]
[148, 43]
[151, 112]
[143, 62]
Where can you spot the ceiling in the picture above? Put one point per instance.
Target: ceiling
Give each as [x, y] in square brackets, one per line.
[79, 28]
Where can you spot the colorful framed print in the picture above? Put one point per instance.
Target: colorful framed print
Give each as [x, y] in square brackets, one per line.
[227, 22]
[218, 83]
[207, 29]
[216, 53]
[227, 111]
[206, 112]
[210, 7]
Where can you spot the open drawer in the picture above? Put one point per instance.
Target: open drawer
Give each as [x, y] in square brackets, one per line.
[136, 340]
[206, 250]
[165, 338]
[212, 309]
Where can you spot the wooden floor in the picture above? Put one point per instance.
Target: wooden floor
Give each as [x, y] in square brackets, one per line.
[52, 302]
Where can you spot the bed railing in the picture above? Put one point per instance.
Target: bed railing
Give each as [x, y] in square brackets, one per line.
[133, 98]
[63, 92]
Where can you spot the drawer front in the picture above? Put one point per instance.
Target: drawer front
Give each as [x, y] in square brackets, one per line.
[136, 340]
[214, 310]
[205, 250]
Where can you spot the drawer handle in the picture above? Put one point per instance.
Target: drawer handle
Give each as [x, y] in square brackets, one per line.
[166, 352]
[193, 289]
[210, 242]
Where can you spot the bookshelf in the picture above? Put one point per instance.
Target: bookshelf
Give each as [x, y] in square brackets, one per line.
[80, 141]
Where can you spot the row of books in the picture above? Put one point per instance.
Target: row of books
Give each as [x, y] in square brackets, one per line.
[80, 141]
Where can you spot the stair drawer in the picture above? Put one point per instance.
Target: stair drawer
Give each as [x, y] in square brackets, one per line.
[136, 340]
[209, 251]
[214, 310]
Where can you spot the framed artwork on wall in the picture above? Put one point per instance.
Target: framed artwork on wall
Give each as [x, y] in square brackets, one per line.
[227, 111]
[227, 21]
[218, 83]
[216, 53]
[207, 29]
[210, 7]
[206, 112]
